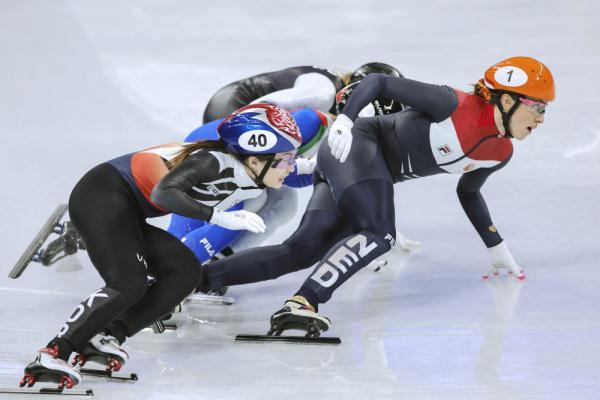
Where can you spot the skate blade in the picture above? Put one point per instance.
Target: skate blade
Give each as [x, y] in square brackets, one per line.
[38, 241]
[288, 339]
[212, 300]
[161, 326]
[87, 393]
[109, 375]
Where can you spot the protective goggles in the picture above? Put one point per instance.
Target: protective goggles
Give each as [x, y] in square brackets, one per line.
[537, 106]
[286, 161]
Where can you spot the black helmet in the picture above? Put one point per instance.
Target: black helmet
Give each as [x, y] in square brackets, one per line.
[374, 67]
[381, 105]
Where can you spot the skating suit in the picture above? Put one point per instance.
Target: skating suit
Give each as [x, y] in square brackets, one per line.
[243, 92]
[204, 180]
[350, 218]
[206, 240]
[444, 131]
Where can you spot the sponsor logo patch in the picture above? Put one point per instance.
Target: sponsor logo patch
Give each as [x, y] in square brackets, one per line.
[444, 150]
[213, 189]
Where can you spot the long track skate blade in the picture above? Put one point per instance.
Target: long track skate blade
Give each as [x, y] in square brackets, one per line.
[212, 300]
[87, 393]
[288, 339]
[38, 241]
[108, 374]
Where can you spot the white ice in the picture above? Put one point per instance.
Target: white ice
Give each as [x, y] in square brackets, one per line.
[82, 82]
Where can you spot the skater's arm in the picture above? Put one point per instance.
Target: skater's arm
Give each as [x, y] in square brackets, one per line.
[438, 101]
[171, 192]
[474, 205]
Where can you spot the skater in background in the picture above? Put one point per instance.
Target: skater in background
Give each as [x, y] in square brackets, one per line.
[350, 218]
[109, 207]
[291, 88]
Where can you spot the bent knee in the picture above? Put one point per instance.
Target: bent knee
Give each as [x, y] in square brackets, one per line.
[132, 291]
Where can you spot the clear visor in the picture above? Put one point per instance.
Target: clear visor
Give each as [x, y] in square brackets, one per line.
[286, 161]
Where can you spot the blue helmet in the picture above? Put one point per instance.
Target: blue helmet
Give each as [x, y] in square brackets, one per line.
[260, 129]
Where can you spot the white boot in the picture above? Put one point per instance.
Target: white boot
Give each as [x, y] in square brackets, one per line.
[47, 367]
[103, 349]
[297, 313]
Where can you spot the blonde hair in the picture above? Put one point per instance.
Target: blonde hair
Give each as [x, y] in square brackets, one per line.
[345, 77]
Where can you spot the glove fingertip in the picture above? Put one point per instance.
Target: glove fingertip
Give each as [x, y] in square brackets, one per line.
[344, 156]
[339, 152]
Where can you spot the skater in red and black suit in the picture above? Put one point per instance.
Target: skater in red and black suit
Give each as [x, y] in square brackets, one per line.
[109, 207]
[349, 220]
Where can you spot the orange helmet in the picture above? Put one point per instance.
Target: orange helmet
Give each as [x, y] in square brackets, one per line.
[522, 75]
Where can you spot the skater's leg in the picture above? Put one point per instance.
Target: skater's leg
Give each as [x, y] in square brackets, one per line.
[209, 239]
[181, 226]
[221, 103]
[370, 204]
[177, 273]
[102, 211]
[363, 190]
[320, 225]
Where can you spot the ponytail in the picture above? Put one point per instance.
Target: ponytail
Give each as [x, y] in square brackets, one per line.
[479, 89]
[192, 147]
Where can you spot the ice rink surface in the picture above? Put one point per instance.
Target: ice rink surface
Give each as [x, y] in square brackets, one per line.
[82, 82]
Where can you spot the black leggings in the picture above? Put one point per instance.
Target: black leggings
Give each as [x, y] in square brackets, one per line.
[236, 95]
[227, 100]
[125, 250]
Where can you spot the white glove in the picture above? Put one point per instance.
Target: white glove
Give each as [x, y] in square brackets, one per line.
[306, 165]
[407, 244]
[238, 220]
[502, 259]
[340, 137]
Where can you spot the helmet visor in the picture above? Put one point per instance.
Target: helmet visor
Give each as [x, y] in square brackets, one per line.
[286, 161]
[537, 106]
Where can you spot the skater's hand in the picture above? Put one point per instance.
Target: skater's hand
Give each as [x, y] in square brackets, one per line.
[306, 165]
[502, 259]
[340, 137]
[238, 220]
[406, 244]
